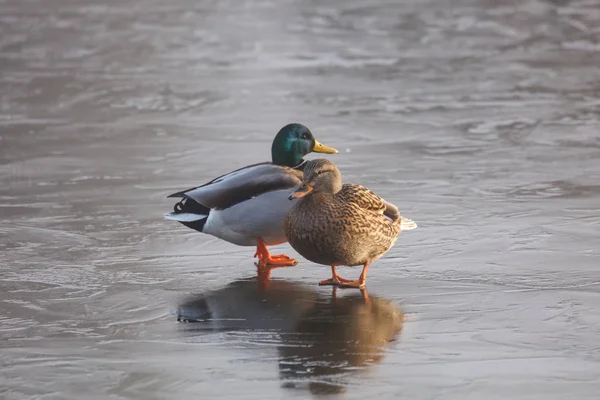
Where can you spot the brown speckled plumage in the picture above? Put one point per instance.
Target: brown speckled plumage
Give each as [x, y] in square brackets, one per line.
[339, 224]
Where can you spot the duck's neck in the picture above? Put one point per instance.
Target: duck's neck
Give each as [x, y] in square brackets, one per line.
[331, 188]
[332, 183]
[290, 159]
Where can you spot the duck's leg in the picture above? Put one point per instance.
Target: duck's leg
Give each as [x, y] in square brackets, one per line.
[265, 258]
[360, 283]
[335, 279]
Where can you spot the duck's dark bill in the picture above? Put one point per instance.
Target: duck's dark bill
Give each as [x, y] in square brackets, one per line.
[302, 191]
[321, 148]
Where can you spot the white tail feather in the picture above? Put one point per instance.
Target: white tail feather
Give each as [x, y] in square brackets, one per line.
[406, 224]
[184, 217]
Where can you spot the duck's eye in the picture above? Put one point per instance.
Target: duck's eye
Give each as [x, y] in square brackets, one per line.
[304, 136]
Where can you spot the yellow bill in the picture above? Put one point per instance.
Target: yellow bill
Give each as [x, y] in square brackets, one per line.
[321, 148]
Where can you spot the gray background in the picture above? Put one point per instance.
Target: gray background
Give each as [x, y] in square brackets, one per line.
[478, 118]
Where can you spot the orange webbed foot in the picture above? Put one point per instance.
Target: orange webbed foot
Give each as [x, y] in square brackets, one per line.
[282, 260]
[265, 258]
[335, 280]
[330, 282]
[358, 284]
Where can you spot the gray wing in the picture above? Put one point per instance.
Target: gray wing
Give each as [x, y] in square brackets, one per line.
[243, 184]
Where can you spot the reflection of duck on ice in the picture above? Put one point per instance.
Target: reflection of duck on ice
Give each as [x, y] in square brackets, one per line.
[343, 333]
[323, 339]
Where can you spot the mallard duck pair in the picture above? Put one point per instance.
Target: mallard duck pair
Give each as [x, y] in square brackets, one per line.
[325, 221]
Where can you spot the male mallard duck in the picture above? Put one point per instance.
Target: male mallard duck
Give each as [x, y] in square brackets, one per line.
[247, 206]
[335, 224]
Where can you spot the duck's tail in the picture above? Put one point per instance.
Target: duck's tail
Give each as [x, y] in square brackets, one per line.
[406, 224]
[189, 213]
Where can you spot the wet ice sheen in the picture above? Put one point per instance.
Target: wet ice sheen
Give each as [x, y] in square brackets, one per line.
[479, 117]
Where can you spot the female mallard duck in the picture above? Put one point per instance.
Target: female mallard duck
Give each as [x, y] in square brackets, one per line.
[335, 224]
[247, 207]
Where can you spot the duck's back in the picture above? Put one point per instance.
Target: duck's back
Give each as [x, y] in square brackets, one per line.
[346, 228]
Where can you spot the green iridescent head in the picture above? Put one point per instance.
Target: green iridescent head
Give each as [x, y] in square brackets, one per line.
[293, 142]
